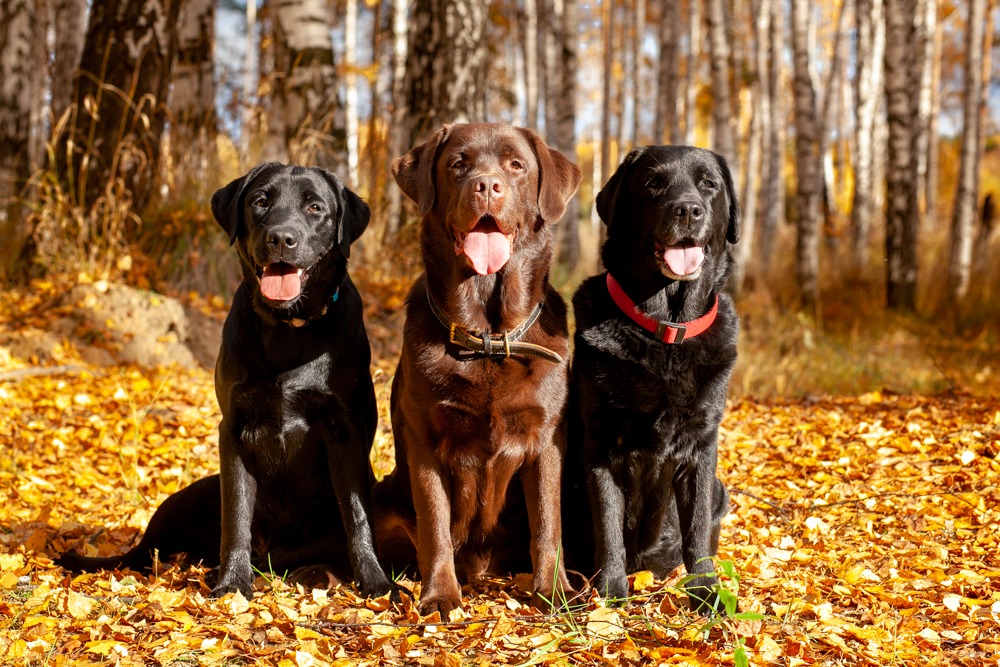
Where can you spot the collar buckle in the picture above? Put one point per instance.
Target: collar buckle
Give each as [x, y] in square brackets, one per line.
[680, 331]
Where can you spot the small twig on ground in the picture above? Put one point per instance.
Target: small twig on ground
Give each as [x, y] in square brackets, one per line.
[35, 371]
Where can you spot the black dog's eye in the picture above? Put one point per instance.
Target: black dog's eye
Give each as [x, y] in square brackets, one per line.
[260, 202]
[708, 183]
[314, 208]
[653, 182]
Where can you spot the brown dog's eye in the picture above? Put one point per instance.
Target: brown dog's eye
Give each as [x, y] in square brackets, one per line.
[516, 165]
[457, 163]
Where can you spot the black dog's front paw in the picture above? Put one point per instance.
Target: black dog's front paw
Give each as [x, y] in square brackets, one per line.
[613, 588]
[377, 586]
[704, 595]
[233, 583]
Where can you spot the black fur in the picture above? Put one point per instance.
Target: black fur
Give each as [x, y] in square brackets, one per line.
[298, 405]
[645, 415]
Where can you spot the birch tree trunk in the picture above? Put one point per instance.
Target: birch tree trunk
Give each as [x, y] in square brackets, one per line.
[564, 104]
[531, 61]
[70, 21]
[773, 191]
[608, 24]
[192, 96]
[926, 27]
[830, 88]
[723, 116]
[120, 95]
[902, 214]
[666, 122]
[306, 123]
[39, 88]
[351, 122]
[807, 161]
[693, 70]
[446, 65]
[15, 126]
[967, 193]
[635, 54]
[868, 92]
[399, 131]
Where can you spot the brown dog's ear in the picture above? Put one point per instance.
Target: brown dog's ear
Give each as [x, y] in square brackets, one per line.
[607, 198]
[353, 213]
[733, 229]
[227, 202]
[414, 172]
[558, 179]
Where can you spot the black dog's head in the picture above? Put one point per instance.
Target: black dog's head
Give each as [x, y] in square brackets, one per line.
[293, 228]
[672, 210]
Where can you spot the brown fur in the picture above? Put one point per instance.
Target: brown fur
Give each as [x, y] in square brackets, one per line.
[471, 431]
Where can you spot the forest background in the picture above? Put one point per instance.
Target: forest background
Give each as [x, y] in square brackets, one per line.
[862, 437]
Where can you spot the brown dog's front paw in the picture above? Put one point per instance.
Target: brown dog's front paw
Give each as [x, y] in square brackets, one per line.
[441, 604]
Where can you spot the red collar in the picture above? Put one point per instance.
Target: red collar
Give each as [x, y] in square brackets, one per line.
[668, 332]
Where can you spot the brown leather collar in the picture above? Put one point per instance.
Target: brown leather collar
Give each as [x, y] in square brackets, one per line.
[504, 344]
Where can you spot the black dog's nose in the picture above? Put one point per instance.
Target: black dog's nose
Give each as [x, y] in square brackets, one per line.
[687, 209]
[284, 237]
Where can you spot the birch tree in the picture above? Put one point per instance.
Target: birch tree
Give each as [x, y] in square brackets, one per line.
[306, 121]
[902, 214]
[192, 97]
[967, 193]
[666, 122]
[120, 93]
[773, 170]
[445, 78]
[868, 92]
[562, 132]
[808, 177]
[70, 23]
[723, 116]
[15, 123]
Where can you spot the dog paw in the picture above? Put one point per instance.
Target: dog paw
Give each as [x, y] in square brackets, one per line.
[233, 584]
[443, 605]
[376, 587]
[704, 596]
[614, 589]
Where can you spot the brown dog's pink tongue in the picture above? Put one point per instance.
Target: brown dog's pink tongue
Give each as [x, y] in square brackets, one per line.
[487, 247]
[280, 282]
[683, 260]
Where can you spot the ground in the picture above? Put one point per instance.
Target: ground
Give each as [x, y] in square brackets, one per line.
[863, 529]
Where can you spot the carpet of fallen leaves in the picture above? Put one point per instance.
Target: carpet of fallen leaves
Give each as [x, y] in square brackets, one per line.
[863, 531]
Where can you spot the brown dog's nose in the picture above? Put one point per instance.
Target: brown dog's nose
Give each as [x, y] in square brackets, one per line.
[489, 186]
[687, 210]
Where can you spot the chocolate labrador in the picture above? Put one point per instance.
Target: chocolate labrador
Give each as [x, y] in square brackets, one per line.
[654, 347]
[479, 394]
[298, 405]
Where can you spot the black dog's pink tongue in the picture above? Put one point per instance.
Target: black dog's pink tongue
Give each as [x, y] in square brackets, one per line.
[280, 282]
[683, 260]
[487, 247]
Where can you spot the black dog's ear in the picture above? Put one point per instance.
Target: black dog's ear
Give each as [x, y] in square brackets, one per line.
[607, 198]
[558, 178]
[353, 213]
[733, 230]
[414, 172]
[227, 202]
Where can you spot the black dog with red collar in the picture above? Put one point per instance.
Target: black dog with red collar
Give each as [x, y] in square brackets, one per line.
[655, 345]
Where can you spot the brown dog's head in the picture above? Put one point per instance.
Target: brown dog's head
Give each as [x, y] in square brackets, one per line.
[490, 184]
[670, 210]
